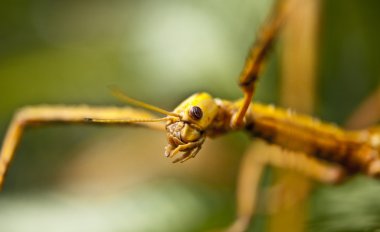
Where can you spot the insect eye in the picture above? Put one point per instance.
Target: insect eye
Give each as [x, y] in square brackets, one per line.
[195, 112]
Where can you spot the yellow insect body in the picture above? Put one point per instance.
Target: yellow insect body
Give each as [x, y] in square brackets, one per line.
[355, 150]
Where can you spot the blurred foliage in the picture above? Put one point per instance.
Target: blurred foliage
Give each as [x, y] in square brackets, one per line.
[349, 57]
[351, 207]
[68, 52]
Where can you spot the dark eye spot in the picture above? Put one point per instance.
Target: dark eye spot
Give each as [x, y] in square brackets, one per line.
[195, 112]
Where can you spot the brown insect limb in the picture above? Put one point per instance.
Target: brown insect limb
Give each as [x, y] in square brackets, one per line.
[45, 114]
[367, 113]
[252, 166]
[190, 149]
[259, 51]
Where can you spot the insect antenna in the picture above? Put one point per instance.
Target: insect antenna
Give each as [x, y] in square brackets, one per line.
[118, 93]
[123, 97]
[121, 121]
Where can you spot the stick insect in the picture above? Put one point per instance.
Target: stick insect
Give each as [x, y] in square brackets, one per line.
[317, 149]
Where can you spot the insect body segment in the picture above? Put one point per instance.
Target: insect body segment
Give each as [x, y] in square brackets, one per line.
[357, 151]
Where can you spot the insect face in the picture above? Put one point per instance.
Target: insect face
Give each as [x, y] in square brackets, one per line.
[186, 133]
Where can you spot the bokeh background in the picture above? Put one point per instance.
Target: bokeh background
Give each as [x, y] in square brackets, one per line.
[83, 178]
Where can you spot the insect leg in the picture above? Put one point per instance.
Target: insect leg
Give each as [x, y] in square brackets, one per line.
[367, 113]
[259, 51]
[44, 114]
[188, 155]
[185, 147]
[253, 165]
[184, 157]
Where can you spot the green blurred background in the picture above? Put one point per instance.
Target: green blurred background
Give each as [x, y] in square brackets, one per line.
[83, 178]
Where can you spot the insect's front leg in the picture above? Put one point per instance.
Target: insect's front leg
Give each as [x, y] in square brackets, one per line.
[258, 53]
[190, 149]
[44, 114]
[252, 166]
